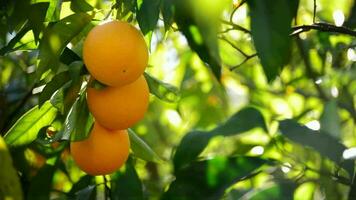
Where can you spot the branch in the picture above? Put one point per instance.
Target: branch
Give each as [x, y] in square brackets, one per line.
[314, 11]
[324, 27]
[247, 58]
[237, 27]
[234, 46]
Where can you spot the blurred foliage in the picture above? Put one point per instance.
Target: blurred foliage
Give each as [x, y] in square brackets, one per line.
[240, 108]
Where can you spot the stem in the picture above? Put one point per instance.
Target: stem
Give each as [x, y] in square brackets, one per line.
[237, 27]
[107, 192]
[314, 11]
[324, 27]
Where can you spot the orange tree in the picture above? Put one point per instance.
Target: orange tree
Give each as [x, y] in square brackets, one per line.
[250, 99]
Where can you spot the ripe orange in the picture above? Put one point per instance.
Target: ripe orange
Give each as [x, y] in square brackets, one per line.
[119, 107]
[115, 53]
[103, 152]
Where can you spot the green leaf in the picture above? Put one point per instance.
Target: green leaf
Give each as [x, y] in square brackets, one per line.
[195, 142]
[329, 120]
[141, 149]
[320, 141]
[282, 191]
[167, 9]
[10, 46]
[41, 184]
[199, 22]
[10, 184]
[25, 130]
[68, 56]
[147, 15]
[57, 82]
[86, 193]
[79, 121]
[37, 17]
[163, 91]
[125, 8]
[126, 184]
[56, 38]
[80, 6]
[209, 179]
[81, 184]
[270, 28]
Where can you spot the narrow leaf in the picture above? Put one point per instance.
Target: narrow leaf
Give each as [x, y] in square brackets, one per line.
[199, 22]
[86, 193]
[141, 149]
[79, 121]
[56, 38]
[329, 120]
[209, 179]
[25, 130]
[270, 28]
[147, 15]
[80, 6]
[57, 82]
[163, 91]
[281, 191]
[320, 141]
[126, 184]
[167, 10]
[195, 142]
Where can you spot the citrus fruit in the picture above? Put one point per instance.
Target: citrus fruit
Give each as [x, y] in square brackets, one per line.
[115, 53]
[119, 107]
[103, 152]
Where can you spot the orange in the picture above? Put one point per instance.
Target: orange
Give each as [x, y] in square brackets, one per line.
[103, 152]
[115, 53]
[119, 107]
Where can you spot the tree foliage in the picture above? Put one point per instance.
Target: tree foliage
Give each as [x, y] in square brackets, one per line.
[251, 99]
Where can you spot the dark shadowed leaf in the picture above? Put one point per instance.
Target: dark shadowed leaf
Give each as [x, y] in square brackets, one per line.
[79, 121]
[209, 179]
[68, 56]
[141, 149]
[86, 193]
[195, 142]
[41, 184]
[199, 22]
[147, 15]
[81, 184]
[320, 141]
[270, 32]
[329, 120]
[57, 82]
[37, 17]
[56, 38]
[163, 91]
[80, 6]
[10, 46]
[126, 184]
[25, 130]
[167, 10]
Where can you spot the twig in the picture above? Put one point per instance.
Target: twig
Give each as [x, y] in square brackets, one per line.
[235, 9]
[107, 192]
[324, 27]
[243, 62]
[236, 26]
[234, 46]
[314, 11]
